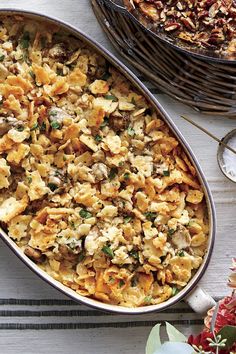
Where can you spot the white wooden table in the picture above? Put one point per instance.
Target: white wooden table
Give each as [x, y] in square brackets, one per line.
[34, 318]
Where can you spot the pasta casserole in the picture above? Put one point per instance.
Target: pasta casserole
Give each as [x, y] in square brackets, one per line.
[94, 187]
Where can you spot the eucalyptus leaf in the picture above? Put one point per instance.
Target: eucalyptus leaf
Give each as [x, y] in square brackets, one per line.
[174, 348]
[174, 335]
[154, 340]
[213, 320]
[229, 333]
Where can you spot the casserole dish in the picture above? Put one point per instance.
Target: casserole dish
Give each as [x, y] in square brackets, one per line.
[83, 213]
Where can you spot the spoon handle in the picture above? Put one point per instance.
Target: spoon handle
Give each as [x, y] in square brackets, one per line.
[209, 133]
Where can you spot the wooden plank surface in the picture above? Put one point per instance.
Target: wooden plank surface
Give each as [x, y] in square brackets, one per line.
[32, 326]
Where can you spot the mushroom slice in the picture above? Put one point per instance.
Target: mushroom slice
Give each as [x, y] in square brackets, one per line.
[181, 238]
[6, 123]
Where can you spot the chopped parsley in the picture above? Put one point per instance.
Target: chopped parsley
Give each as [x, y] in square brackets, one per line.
[166, 173]
[113, 173]
[60, 72]
[170, 232]
[25, 39]
[108, 251]
[175, 291]
[111, 280]
[81, 256]
[134, 281]
[150, 216]
[105, 122]
[2, 57]
[121, 283]
[29, 179]
[127, 219]
[55, 125]
[134, 254]
[126, 175]
[32, 74]
[52, 186]
[131, 131]
[181, 254]
[53, 113]
[111, 97]
[147, 299]
[43, 127]
[34, 127]
[20, 128]
[98, 138]
[85, 214]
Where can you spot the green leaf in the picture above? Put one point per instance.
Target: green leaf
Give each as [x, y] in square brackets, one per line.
[134, 281]
[29, 179]
[113, 173]
[170, 232]
[60, 72]
[2, 57]
[181, 254]
[166, 173]
[43, 127]
[111, 97]
[150, 216]
[53, 113]
[98, 138]
[55, 125]
[81, 256]
[229, 333]
[105, 122]
[108, 251]
[175, 291]
[52, 186]
[127, 219]
[24, 42]
[131, 131]
[134, 254]
[147, 299]
[126, 175]
[20, 128]
[85, 214]
[34, 127]
[32, 74]
[174, 335]
[176, 348]
[121, 283]
[154, 340]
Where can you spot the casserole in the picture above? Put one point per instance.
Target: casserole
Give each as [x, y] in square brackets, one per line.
[152, 101]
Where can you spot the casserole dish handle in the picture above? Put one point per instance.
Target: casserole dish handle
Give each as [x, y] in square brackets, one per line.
[199, 300]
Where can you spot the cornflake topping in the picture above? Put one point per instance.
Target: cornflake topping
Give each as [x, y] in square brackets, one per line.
[94, 187]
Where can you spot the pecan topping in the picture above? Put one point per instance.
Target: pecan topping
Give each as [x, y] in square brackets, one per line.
[207, 24]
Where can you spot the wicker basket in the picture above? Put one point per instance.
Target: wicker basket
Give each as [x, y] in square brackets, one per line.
[206, 87]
